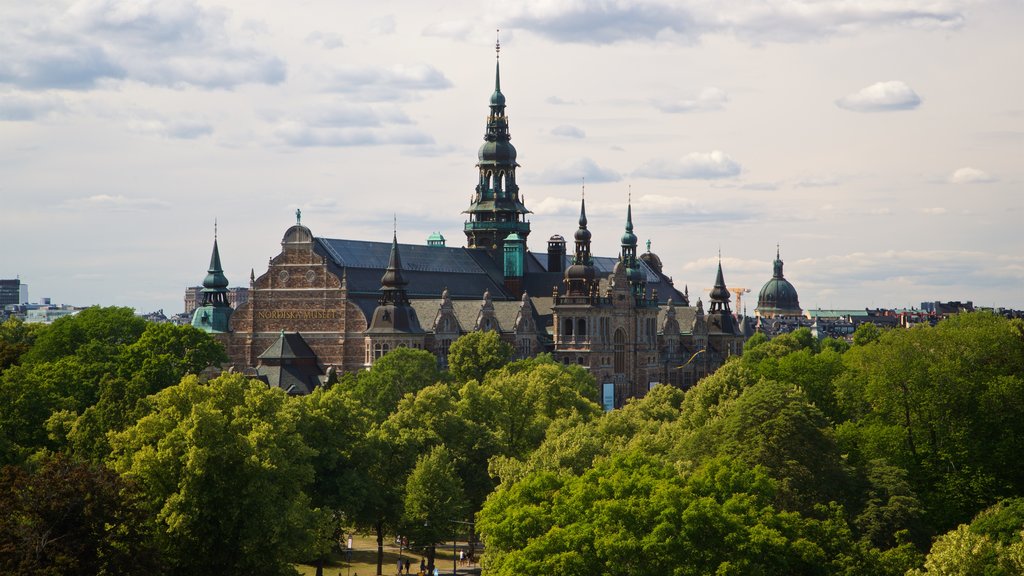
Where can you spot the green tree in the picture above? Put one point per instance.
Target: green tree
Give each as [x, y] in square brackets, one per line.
[69, 517]
[224, 471]
[16, 337]
[944, 403]
[397, 373]
[335, 425]
[104, 328]
[475, 354]
[434, 497]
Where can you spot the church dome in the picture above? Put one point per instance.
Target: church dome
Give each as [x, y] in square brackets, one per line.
[778, 297]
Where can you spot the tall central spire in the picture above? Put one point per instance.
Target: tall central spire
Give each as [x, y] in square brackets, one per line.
[496, 209]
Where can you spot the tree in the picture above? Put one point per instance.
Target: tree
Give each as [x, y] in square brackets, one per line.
[105, 328]
[399, 372]
[952, 398]
[69, 517]
[526, 396]
[475, 354]
[637, 514]
[16, 337]
[434, 497]
[224, 471]
[335, 425]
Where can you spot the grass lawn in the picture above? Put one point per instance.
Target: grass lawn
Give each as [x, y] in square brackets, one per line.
[364, 560]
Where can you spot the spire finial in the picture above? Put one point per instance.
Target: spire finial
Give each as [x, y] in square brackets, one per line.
[497, 44]
[214, 229]
[777, 256]
[648, 244]
[629, 195]
[583, 187]
[298, 215]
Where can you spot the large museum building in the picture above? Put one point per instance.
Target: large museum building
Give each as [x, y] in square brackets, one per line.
[328, 304]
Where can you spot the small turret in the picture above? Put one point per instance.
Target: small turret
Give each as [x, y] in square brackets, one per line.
[214, 314]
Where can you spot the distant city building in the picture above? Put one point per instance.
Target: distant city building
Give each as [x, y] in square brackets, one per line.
[194, 297]
[11, 292]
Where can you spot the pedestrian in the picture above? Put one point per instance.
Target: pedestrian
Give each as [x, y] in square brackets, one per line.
[400, 563]
[423, 566]
[406, 565]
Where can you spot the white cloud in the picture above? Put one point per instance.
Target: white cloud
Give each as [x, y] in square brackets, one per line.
[328, 40]
[968, 175]
[551, 206]
[344, 124]
[881, 97]
[685, 21]
[151, 41]
[380, 84]
[117, 203]
[567, 131]
[696, 165]
[176, 128]
[572, 171]
[934, 211]
[454, 29]
[559, 101]
[24, 106]
[817, 182]
[706, 100]
[383, 25]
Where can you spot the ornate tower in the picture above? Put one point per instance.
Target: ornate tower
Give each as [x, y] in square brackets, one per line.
[635, 276]
[496, 209]
[214, 312]
[579, 277]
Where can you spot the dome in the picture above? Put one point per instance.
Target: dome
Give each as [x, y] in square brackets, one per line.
[501, 151]
[652, 260]
[557, 238]
[497, 99]
[778, 297]
[582, 235]
[628, 238]
[579, 272]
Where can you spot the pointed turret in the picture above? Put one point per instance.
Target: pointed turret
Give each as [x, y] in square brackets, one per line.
[393, 314]
[720, 294]
[496, 208]
[634, 275]
[392, 284]
[215, 311]
[580, 276]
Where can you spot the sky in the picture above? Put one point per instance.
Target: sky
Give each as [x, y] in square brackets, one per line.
[878, 143]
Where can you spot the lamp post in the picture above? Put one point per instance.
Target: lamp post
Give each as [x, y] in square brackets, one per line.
[455, 554]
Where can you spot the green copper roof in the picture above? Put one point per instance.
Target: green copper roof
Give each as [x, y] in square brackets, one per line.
[215, 278]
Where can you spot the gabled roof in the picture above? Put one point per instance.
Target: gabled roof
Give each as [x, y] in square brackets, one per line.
[289, 346]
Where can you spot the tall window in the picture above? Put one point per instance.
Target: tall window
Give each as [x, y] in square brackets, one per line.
[620, 351]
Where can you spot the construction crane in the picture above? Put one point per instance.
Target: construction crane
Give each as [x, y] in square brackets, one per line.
[739, 292]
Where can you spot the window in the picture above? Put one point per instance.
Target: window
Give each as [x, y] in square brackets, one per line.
[581, 327]
[620, 351]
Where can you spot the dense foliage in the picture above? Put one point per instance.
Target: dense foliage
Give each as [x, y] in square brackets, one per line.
[897, 454]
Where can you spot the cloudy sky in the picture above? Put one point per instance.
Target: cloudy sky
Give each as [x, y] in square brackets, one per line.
[880, 142]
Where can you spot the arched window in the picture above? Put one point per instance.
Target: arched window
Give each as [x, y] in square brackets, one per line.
[568, 327]
[620, 351]
[581, 327]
